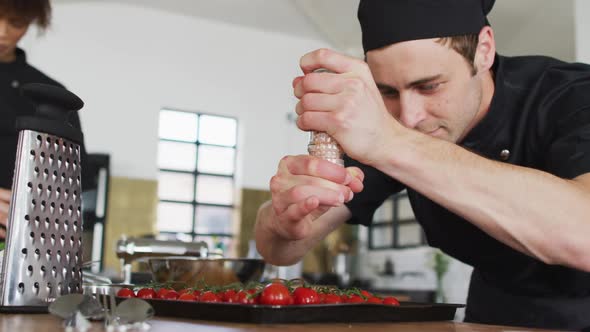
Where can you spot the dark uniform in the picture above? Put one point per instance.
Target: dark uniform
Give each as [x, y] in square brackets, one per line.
[539, 118]
[12, 76]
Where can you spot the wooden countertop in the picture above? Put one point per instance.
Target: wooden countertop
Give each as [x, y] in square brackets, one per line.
[48, 323]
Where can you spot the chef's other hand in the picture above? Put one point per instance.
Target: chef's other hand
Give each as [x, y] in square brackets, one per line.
[5, 195]
[305, 187]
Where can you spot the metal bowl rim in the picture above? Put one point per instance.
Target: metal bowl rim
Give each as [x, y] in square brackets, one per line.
[202, 259]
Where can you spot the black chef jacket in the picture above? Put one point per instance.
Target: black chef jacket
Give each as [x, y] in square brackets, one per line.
[539, 118]
[12, 76]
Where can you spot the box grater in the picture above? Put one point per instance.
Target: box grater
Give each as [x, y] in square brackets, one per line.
[43, 255]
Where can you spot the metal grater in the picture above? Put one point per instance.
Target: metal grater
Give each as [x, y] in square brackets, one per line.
[43, 255]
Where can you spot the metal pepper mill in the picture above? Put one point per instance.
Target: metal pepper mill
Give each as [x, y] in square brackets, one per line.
[43, 255]
[322, 145]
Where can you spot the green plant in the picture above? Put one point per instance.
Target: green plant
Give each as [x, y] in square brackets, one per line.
[440, 265]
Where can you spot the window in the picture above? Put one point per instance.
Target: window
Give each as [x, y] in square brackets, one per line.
[394, 225]
[196, 177]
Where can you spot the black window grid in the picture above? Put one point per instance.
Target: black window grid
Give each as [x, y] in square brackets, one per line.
[195, 174]
[393, 226]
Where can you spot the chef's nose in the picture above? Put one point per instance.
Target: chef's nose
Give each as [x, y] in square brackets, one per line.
[412, 110]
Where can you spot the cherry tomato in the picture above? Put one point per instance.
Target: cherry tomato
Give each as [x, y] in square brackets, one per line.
[354, 299]
[184, 291]
[366, 294]
[125, 292]
[188, 296]
[331, 299]
[303, 295]
[171, 295]
[147, 293]
[245, 297]
[374, 299]
[162, 292]
[275, 294]
[229, 296]
[209, 296]
[197, 293]
[390, 300]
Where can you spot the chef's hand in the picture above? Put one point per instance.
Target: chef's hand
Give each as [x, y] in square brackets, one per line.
[304, 188]
[5, 195]
[345, 103]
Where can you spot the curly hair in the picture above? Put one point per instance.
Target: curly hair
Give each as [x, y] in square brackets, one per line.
[37, 11]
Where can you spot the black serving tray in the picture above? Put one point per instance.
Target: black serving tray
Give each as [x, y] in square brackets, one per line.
[317, 313]
[24, 309]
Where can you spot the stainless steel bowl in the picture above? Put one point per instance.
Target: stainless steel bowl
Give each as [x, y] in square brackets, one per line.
[190, 271]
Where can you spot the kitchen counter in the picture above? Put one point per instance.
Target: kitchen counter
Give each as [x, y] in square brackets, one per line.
[48, 323]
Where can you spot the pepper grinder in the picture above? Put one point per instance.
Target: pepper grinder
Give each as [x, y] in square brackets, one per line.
[324, 146]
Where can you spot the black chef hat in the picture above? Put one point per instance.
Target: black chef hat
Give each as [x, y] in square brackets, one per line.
[385, 22]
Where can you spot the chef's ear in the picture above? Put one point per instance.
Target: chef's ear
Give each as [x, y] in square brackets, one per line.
[486, 50]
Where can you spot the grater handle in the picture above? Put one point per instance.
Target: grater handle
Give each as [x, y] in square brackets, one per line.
[54, 106]
[52, 102]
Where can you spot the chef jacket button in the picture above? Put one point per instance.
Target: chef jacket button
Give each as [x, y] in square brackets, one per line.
[14, 84]
[504, 154]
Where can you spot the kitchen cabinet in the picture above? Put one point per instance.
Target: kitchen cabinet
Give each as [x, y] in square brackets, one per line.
[95, 195]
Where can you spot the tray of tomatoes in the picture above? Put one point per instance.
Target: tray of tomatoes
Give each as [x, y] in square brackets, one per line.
[277, 302]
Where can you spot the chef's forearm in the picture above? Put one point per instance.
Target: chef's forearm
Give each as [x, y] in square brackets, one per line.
[532, 211]
[274, 248]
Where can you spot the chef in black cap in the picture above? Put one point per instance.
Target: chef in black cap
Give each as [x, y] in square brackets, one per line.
[494, 153]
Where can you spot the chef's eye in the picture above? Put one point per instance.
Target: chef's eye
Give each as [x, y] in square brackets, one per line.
[389, 93]
[431, 87]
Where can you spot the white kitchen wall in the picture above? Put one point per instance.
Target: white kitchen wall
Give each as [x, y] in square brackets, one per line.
[582, 30]
[534, 27]
[126, 62]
